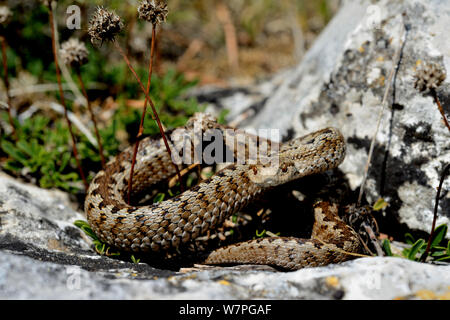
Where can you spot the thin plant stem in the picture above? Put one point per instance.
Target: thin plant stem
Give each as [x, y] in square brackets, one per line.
[441, 110]
[97, 134]
[436, 204]
[144, 112]
[8, 95]
[62, 99]
[380, 116]
[224, 16]
[158, 121]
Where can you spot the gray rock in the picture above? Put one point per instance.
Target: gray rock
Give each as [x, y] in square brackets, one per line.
[39, 224]
[341, 83]
[43, 256]
[22, 277]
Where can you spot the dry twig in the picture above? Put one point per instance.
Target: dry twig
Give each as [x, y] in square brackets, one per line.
[380, 116]
[445, 173]
[62, 99]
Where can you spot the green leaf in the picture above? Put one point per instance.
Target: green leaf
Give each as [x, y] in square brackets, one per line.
[445, 259]
[415, 249]
[189, 181]
[100, 247]
[65, 158]
[387, 247]
[11, 166]
[409, 238]
[83, 225]
[72, 176]
[24, 147]
[439, 254]
[221, 118]
[438, 235]
[261, 234]
[14, 153]
[159, 197]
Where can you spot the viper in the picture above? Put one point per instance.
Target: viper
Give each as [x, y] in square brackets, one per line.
[177, 222]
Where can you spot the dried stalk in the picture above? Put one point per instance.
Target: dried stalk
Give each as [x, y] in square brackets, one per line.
[380, 116]
[6, 80]
[224, 16]
[62, 99]
[97, 134]
[436, 204]
[441, 110]
[144, 112]
[147, 98]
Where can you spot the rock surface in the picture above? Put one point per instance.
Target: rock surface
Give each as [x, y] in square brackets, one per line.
[341, 82]
[368, 278]
[43, 256]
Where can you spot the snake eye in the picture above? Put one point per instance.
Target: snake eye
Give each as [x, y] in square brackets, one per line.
[284, 168]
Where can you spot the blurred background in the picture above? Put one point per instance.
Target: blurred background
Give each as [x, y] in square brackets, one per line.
[212, 41]
[203, 42]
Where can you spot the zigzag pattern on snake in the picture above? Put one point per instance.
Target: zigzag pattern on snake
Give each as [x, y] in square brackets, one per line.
[177, 222]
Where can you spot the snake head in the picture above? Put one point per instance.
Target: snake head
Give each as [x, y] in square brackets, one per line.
[201, 121]
[272, 174]
[314, 153]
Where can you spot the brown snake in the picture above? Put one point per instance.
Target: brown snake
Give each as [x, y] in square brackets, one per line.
[177, 222]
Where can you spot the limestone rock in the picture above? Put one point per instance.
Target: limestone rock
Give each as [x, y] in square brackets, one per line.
[22, 277]
[43, 256]
[341, 82]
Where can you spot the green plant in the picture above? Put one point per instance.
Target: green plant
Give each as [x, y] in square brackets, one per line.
[166, 92]
[62, 99]
[43, 153]
[439, 249]
[134, 260]
[100, 247]
[260, 234]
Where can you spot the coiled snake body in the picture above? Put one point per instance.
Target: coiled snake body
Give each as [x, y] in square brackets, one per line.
[176, 222]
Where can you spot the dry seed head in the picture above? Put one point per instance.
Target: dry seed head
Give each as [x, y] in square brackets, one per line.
[74, 53]
[153, 11]
[47, 3]
[429, 76]
[104, 25]
[5, 15]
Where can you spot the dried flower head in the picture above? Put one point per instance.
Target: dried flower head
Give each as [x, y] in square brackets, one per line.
[153, 11]
[47, 3]
[104, 25]
[74, 53]
[5, 15]
[428, 77]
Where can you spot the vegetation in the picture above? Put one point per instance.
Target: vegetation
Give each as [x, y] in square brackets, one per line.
[40, 151]
[439, 249]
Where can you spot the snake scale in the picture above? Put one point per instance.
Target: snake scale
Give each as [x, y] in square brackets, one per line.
[177, 222]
